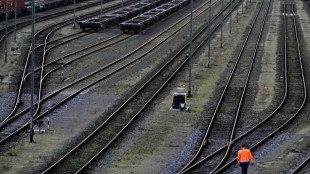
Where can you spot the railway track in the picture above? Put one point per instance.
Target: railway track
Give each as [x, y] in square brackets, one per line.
[121, 118]
[222, 148]
[86, 77]
[41, 18]
[52, 16]
[46, 10]
[18, 102]
[42, 45]
[217, 133]
[303, 167]
[22, 116]
[285, 113]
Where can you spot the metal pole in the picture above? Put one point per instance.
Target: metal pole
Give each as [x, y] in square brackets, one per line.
[15, 20]
[237, 12]
[6, 31]
[122, 4]
[32, 71]
[242, 8]
[101, 7]
[74, 14]
[230, 17]
[48, 114]
[209, 37]
[222, 24]
[190, 52]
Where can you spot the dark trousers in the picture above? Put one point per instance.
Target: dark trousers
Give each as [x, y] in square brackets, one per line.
[244, 167]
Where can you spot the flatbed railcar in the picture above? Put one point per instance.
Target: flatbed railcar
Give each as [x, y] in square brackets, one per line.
[108, 20]
[148, 18]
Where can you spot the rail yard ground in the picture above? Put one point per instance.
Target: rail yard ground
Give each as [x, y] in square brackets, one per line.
[162, 141]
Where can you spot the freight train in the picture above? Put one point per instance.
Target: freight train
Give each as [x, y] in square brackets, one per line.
[150, 17]
[24, 7]
[108, 20]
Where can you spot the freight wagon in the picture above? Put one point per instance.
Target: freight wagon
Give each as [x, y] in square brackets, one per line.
[149, 18]
[25, 7]
[109, 20]
[11, 5]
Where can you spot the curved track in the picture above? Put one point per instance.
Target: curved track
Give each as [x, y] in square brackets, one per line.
[232, 96]
[122, 117]
[295, 75]
[42, 46]
[97, 77]
[302, 165]
[57, 14]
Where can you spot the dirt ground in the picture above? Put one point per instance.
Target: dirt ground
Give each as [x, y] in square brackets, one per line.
[162, 140]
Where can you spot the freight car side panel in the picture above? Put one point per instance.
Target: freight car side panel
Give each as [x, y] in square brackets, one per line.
[20, 4]
[120, 16]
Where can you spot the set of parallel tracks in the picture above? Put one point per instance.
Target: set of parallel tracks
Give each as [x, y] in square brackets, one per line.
[217, 133]
[122, 118]
[53, 15]
[42, 37]
[279, 119]
[12, 117]
[154, 84]
[305, 163]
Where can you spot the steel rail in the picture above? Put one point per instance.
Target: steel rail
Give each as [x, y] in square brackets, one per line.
[307, 160]
[140, 110]
[301, 166]
[28, 74]
[18, 98]
[29, 54]
[257, 144]
[219, 103]
[59, 67]
[50, 16]
[97, 71]
[79, 51]
[69, 62]
[43, 63]
[244, 90]
[263, 121]
[42, 68]
[45, 51]
[177, 54]
[3, 123]
[64, 37]
[81, 56]
[65, 11]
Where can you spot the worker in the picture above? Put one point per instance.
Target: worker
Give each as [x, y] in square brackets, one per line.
[244, 159]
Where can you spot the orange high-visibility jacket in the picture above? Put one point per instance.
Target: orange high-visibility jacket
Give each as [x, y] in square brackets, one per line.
[244, 155]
